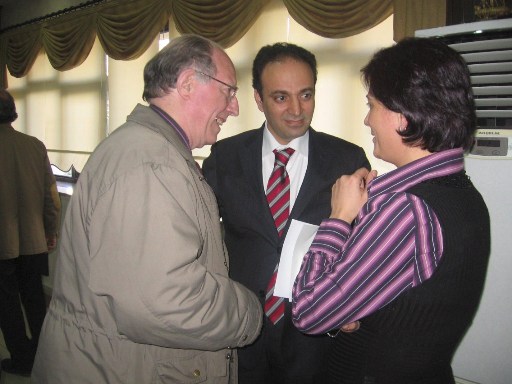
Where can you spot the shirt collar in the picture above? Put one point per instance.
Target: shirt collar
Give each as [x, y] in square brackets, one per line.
[435, 165]
[173, 124]
[300, 144]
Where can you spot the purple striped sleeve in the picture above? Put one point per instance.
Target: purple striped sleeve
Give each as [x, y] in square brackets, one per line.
[429, 242]
[330, 237]
[373, 266]
[396, 243]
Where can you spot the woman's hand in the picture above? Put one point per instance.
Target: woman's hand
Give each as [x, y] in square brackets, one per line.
[349, 194]
[351, 327]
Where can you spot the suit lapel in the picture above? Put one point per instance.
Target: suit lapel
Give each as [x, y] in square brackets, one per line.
[314, 178]
[252, 169]
[253, 177]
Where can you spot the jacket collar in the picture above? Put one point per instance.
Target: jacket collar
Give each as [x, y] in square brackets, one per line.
[149, 118]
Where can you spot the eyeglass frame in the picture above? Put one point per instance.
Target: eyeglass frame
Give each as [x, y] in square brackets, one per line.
[232, 89]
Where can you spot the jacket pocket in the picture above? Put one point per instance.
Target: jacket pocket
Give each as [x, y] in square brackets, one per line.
[186, 371]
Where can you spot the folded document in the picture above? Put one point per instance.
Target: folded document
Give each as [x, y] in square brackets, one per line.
[296, 244]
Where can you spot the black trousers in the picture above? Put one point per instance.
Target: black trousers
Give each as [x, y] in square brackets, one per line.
[283, 355]
[20, 279]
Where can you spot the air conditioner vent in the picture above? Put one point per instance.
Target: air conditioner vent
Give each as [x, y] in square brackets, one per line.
[487, 49]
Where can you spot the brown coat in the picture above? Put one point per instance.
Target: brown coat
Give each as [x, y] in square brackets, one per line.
[29, 202]
[142, 293]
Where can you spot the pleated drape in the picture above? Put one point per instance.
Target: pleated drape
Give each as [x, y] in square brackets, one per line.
[336, 19]
[126, 28]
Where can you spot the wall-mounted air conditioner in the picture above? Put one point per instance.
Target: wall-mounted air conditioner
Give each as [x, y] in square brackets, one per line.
[487, 48]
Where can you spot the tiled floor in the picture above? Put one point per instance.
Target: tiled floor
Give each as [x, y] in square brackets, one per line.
[7, 378]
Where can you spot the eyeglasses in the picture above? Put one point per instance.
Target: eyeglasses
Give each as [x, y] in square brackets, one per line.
[232, 89]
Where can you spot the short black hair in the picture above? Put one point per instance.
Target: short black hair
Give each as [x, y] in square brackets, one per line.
[7, 107]
[429, 83]
[279, 52]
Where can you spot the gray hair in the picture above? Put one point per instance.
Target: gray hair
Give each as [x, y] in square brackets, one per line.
[187, 51]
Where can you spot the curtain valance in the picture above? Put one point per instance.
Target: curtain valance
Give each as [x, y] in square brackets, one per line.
[126, 28]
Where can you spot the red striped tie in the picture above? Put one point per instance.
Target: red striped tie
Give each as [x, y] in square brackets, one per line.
[278, 197]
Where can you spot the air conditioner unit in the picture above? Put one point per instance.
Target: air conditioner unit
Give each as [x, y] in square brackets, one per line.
[487, 48]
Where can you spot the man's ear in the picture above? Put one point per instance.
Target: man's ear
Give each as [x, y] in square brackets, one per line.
[186, 83]
[259, 102]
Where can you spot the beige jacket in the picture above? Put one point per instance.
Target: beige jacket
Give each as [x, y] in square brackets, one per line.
[29, 202]
[141, 292]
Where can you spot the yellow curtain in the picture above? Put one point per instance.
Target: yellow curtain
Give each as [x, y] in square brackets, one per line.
[19, 50]
[223, 21]
[342, 18]
[126, 28]
[417, 14]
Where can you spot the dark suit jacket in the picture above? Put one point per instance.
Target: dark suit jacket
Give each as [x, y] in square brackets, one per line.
[234, 172]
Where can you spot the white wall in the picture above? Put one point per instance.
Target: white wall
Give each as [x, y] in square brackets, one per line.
[485, 354]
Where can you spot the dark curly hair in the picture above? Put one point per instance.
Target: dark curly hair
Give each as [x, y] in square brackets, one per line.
[429, 83]
[279, 52]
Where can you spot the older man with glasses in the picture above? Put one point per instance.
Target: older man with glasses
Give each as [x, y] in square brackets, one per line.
[142, 292]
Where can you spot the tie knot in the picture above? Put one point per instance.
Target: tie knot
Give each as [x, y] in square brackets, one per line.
[283, 155]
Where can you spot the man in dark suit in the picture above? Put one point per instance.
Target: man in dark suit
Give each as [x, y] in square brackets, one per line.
[284, 78]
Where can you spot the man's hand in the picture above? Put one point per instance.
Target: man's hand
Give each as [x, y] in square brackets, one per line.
[51, 242]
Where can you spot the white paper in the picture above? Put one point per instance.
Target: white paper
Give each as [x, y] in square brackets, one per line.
[296, 244]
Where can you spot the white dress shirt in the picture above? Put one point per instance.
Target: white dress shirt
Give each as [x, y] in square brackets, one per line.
[296, 166]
